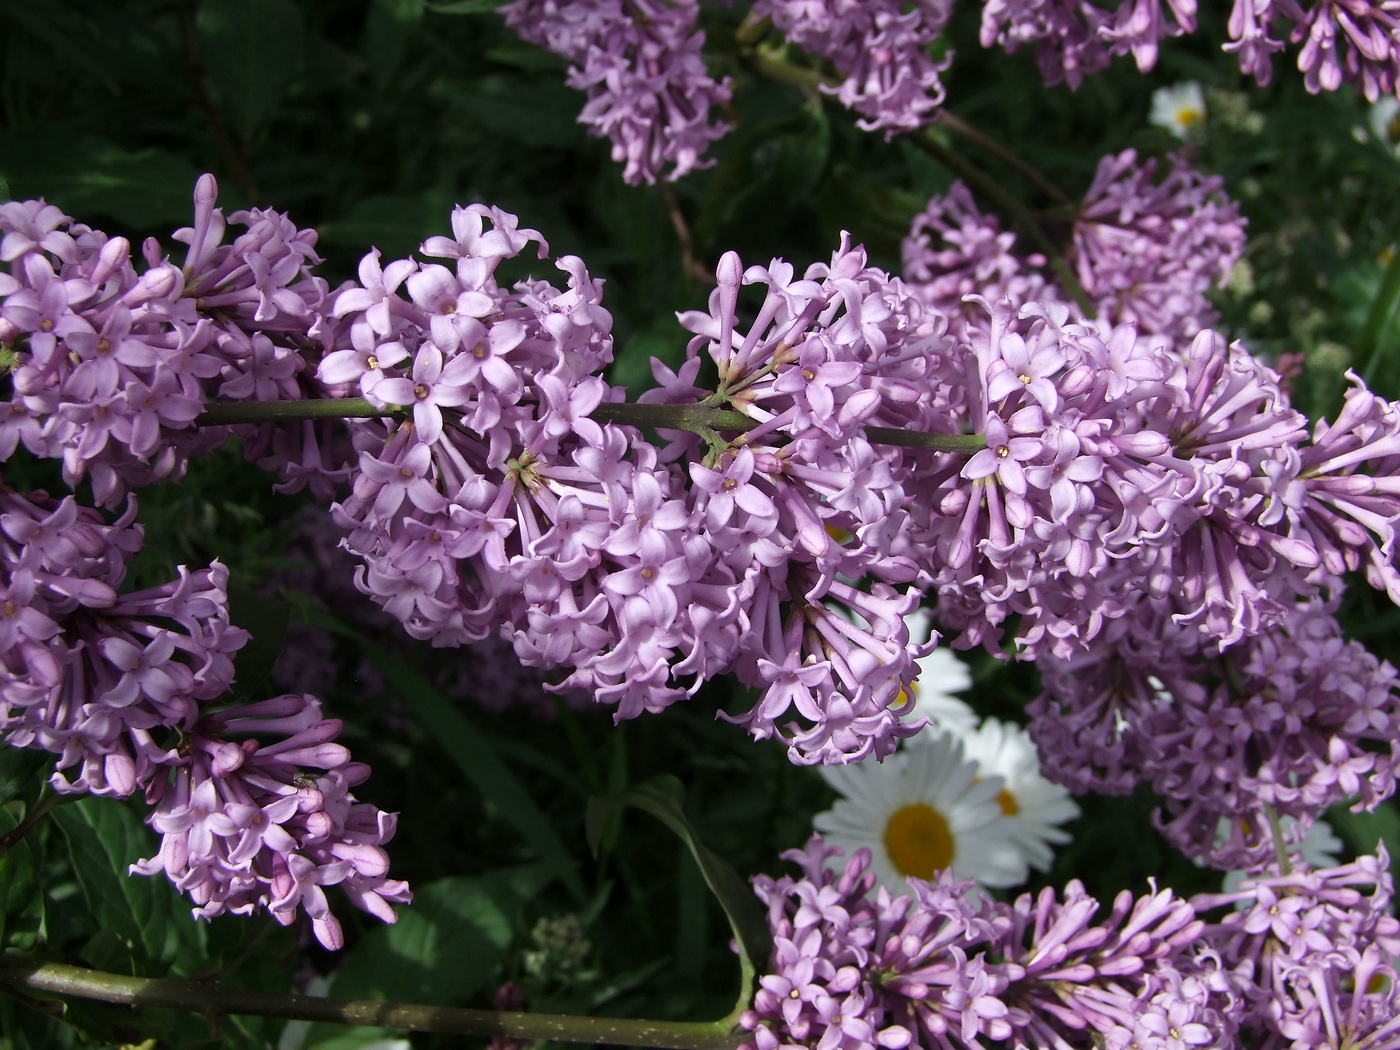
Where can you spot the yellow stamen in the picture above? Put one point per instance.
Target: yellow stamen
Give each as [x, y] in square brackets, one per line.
[919, 841]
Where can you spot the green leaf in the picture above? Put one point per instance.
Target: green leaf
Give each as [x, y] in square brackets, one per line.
[529, 110]
[252, 50]
[443, 950]
[395, 224]
[91, 177]
[105, 839]
[22, 771]
[4, 190]
[401, 10]
[471, 751]
[663, 797]
[23, 911]
[1363, 831]
[265, 619]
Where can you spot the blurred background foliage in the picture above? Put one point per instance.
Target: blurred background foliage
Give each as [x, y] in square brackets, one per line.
[369, 119]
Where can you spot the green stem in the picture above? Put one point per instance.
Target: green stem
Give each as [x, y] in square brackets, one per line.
[1382, 306]
[1285, 867]
[961, 127]
[47, 802]
[772, 65]
[200, 997]
[698, 419]
[222, 413]
[987, 187]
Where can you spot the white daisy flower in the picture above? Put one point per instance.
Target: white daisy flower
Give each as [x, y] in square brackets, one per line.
[1034, 806]
[1384, 119]
[1181, 109]
[941, 674]
[921, 811]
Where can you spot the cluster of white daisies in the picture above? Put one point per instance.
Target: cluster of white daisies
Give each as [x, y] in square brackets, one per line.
[966, 793]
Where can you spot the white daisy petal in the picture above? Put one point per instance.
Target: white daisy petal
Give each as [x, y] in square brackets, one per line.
[1034, 805]
[941, 674]
[922, 811]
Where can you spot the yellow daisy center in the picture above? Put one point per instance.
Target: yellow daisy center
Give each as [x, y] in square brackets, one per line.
[919, 841]
[1007, 801]
[1189, 116]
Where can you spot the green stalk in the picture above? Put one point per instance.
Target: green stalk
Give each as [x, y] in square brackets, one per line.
[988, 188]
[704, 420]
[211, 999]
[225, 412]
[775, 67]
[1382, 306]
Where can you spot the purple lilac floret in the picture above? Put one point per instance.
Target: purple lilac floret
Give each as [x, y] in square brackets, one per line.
[505, 503]
[942, 967]
[880, 49]
[1293, 719]
[120, 687]
[1303, 959]
[1145, 250]
[110, 366]
[640, 64]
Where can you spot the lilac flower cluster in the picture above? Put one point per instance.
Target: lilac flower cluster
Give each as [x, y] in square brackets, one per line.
[639, 63]
[109, 368]
[1156, 521]
[1343, 42]
[522, 510]
[1078, 38]
[1355, 42]
[1145, 251]
[1294, 718]
[1304, 961]
[943, 968]
[1308, 957]
[515, 508]
[880, 49]
[120, 688]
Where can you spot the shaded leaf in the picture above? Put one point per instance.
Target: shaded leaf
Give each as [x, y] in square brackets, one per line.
[88, 176]
[149, 916]
[663, 797]
[252, 50]
[471, 751]
[443, 950]
[463, 7]
[22, 771]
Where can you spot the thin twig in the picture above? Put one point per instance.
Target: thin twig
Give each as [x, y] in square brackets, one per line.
[961, 127]
[218, 127]
[201, 997]
[693, 266]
